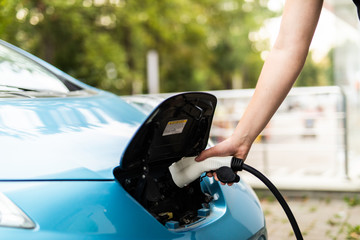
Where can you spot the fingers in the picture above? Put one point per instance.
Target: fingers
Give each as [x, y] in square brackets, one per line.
[217, 150]
[204, 155]
[216, 178]
[224, 148]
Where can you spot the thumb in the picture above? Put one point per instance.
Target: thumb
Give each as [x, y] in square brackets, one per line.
[210, 152]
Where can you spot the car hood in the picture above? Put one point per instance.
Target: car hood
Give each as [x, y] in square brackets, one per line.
[64, 138]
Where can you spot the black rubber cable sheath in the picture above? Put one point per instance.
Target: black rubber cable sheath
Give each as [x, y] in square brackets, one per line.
[278, 196]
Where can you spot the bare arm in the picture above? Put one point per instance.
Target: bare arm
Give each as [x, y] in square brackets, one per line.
[278, 74]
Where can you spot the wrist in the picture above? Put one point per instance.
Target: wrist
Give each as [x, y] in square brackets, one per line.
[241, 145]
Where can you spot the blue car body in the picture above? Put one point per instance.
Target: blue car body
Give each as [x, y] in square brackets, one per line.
[58, 153]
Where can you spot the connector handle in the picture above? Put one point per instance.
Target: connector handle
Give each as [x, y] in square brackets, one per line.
[187, 169]
[227, 175]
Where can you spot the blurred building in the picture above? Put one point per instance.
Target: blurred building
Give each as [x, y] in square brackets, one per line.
[345, 37]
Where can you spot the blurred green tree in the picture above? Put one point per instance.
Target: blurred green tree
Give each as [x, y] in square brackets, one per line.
[317, 73]
[202, 45]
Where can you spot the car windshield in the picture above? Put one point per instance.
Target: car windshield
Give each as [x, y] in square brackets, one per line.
[19, 72]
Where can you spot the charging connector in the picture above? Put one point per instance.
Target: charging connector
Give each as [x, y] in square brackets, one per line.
[186, 170]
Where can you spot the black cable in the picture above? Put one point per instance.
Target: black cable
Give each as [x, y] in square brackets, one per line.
[278, 196]
[227, 175]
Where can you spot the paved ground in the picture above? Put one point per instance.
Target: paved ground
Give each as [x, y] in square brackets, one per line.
[320, 215]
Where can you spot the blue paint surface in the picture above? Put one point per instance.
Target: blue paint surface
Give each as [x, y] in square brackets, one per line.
[57, 158]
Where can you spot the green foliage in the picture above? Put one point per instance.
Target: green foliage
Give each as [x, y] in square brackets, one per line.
[353, 232]
[352, 201]
[317, 73]
[202, 45]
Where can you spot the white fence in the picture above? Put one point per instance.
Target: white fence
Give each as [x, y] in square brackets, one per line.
[307, 135]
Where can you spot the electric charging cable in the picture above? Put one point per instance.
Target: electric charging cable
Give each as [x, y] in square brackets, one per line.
[238, 164]
[187, 170]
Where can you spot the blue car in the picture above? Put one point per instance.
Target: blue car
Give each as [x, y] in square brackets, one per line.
[79, 163]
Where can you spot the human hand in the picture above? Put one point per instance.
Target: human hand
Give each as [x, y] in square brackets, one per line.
[230, 147]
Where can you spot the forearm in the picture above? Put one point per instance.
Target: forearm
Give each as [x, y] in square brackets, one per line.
[278, 74]
[276, 79]
[281, 67]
